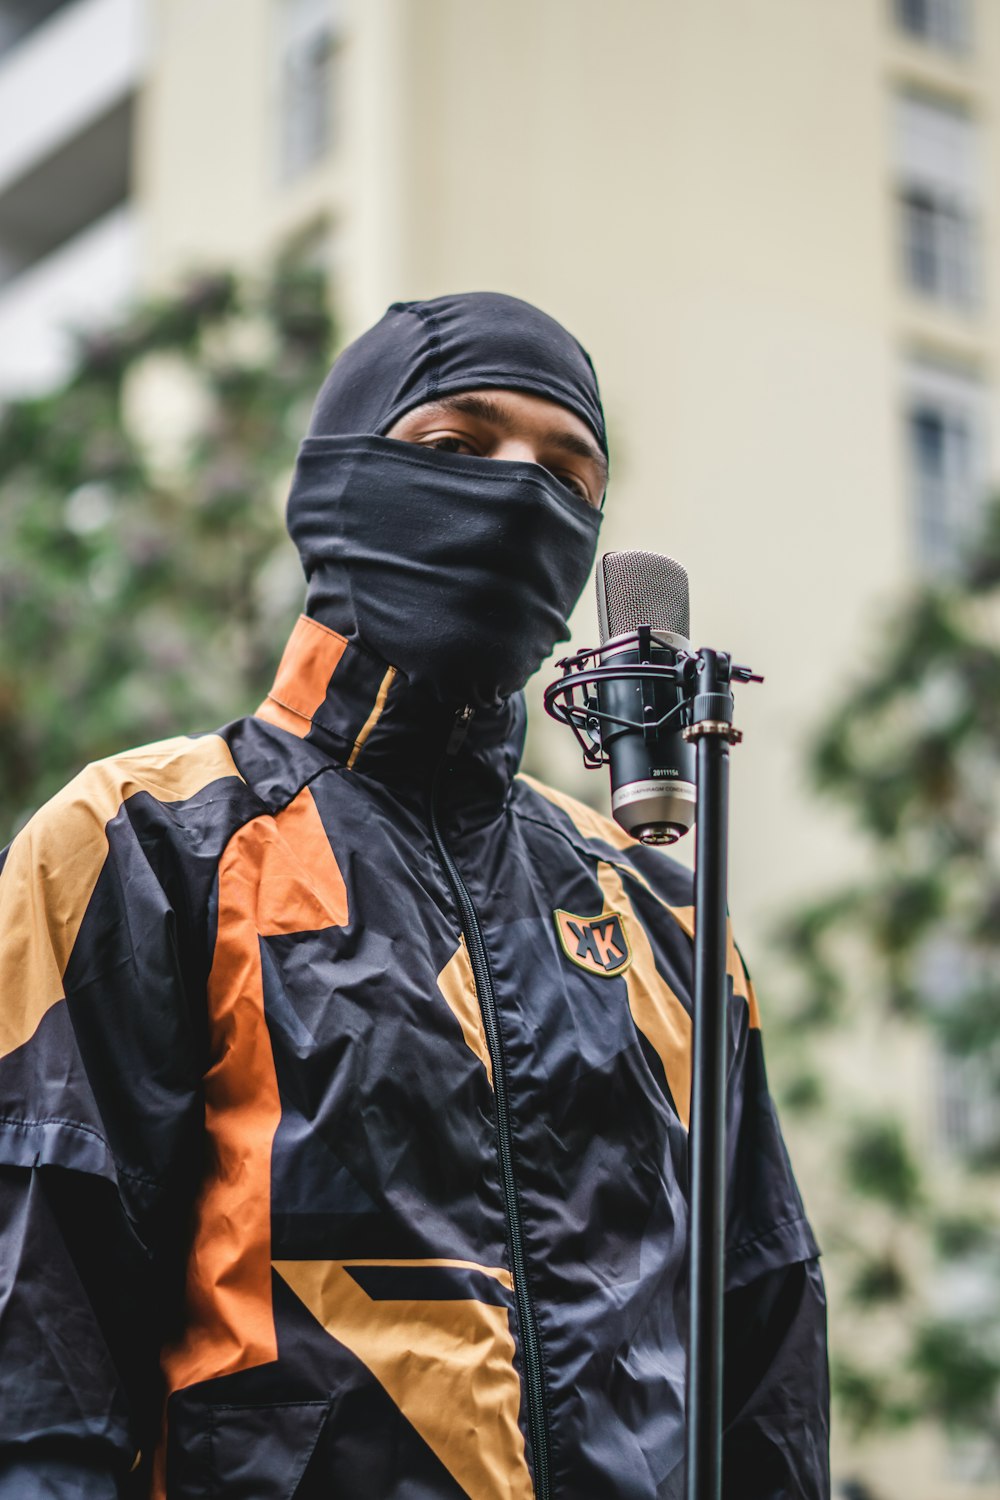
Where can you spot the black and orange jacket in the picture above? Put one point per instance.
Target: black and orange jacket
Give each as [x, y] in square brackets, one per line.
[344, 1083]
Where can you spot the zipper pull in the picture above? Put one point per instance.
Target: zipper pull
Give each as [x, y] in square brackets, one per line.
[459, 729]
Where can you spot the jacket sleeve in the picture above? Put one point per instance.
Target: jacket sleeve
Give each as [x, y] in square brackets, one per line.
[776, 1386]
[66, 1424]
[776, 1392]
[100, 1116]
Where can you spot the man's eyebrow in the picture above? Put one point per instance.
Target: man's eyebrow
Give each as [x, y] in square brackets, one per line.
[483, 407]
[570, 443]
[489, 410]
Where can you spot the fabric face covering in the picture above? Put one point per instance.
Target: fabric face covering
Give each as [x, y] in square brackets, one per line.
[459, 571]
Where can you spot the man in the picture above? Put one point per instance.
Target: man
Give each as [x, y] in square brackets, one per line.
[337, 1161]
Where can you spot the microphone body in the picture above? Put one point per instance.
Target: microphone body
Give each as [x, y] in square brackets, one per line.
[643, 615]
[652, 769]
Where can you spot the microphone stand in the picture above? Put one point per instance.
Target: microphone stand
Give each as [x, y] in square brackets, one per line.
[704, 713]
[711, 728]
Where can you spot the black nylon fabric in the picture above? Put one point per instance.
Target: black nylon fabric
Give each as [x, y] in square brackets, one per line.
[459, 571]
[421, 350]
[385, 1221]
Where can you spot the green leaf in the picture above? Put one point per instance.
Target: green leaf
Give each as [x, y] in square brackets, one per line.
[133, 607]
[878, 1280]
[960, 1373]
[879, 1165]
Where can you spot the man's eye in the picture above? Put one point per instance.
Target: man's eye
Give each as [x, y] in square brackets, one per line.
[449, 445]
[575, 485]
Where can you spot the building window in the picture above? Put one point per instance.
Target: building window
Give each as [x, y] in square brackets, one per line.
[968, 1104]
[967, 1099]
[944, 23]
[306, 48]
[946, 443]
[938, 248]
[940, 445]
[937, 167]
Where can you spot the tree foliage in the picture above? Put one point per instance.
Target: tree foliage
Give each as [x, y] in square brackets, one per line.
[912, 948]
[146, 588]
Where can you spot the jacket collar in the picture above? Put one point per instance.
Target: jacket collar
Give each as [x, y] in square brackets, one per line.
[367, 717]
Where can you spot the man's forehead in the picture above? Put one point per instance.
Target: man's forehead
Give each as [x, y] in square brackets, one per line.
[506, 409]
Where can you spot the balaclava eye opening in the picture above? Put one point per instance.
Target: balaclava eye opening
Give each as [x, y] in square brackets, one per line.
[459, 571]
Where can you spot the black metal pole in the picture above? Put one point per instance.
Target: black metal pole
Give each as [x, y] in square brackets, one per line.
[705, 680]
[708, 1120]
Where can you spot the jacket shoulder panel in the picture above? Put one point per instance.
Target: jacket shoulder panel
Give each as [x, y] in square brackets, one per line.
[53, 865]
[586, 820]
[599, 837]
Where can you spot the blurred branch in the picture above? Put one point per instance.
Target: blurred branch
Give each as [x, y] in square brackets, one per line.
[912, 752]
[140, 597]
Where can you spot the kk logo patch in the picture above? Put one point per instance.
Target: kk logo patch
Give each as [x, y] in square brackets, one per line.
[597, 944]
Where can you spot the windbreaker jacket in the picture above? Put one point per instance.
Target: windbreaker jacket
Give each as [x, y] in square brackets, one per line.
[344, 1084]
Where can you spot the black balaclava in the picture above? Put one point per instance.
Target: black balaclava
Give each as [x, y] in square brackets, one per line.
[459, 571]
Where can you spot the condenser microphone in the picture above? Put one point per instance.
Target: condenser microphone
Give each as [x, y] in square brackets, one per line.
[643, 617]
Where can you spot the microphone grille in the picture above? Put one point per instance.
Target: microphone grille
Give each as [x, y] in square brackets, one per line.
[641, 588]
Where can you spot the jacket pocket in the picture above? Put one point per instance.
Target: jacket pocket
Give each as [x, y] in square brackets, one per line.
[260, 1452]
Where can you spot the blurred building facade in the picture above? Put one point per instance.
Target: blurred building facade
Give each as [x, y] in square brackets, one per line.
[70, 76]
[773, 225]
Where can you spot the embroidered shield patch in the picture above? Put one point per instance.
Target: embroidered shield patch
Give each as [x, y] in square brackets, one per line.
[597, 944]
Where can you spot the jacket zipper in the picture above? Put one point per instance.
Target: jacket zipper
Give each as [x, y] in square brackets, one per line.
[476, 946]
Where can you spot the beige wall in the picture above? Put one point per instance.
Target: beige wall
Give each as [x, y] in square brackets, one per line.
[206, 151]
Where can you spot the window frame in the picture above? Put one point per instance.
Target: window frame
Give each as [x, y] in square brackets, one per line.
[944, 506]
[939, 200]
[307, 37]
[945, 23]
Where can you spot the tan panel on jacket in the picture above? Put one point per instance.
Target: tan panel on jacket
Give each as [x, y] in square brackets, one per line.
[55, 861]
[656, 1010]
[457, 984]
[742, 983]
[448, 1366]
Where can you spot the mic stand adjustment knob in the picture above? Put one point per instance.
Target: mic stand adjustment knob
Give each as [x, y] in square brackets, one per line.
[719, 727]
